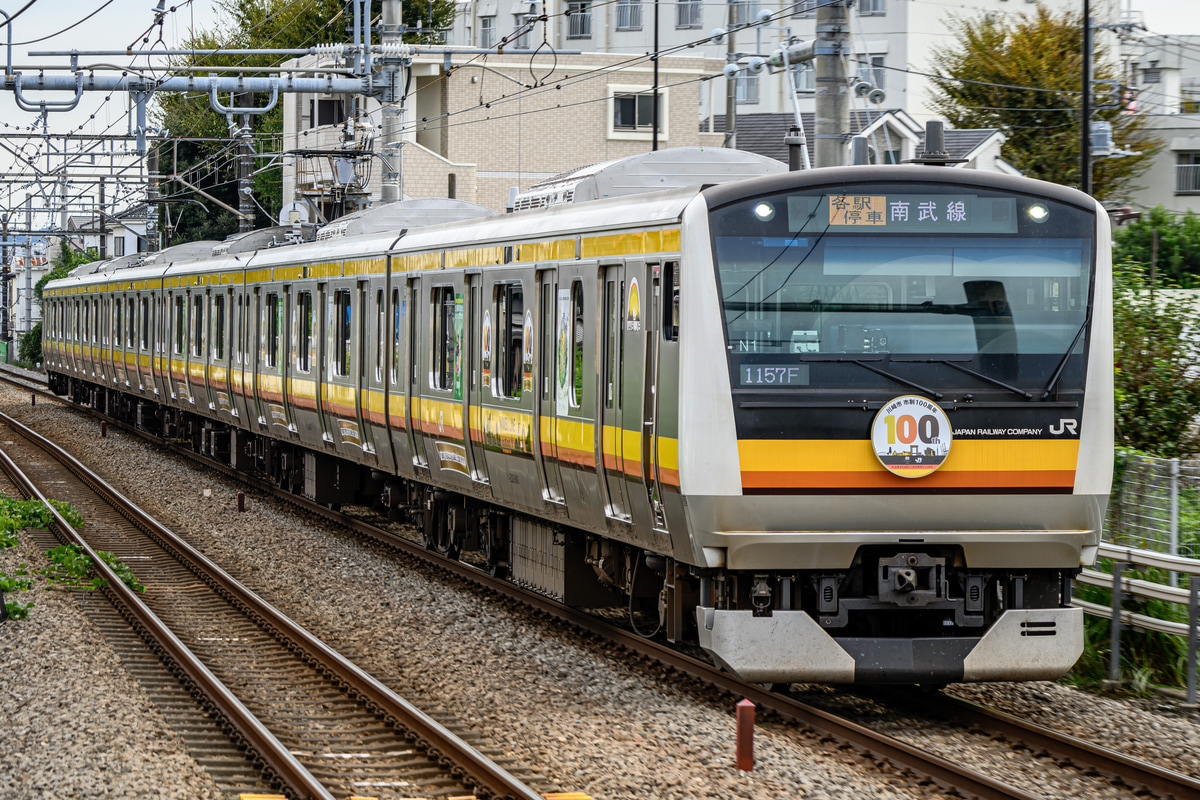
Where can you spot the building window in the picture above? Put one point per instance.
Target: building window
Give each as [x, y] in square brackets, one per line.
[871, 69]
[689, 14]
[487, 32]
[872, 8]
[629, 15]
[1152, 76]
[579, 20]
[805, 8]
[118, 248]
[744, 11]
[632, 113]
[326, 112]
[510, 341]
[520, 26]
[1187, 173]
[804, 77]
[747, 89]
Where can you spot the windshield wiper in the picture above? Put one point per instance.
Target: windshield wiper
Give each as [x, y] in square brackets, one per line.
[961, 368]
[893, 376]
[1058, 371]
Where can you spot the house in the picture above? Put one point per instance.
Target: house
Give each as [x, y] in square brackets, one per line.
[1167, 77]
[469, 136]
[891, 42]
[892, 137]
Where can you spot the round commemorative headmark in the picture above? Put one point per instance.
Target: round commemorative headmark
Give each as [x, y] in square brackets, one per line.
[911, 436]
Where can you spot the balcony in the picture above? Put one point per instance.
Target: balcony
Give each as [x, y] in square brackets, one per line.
[1187, 179]
[629, 15]
[579, 18]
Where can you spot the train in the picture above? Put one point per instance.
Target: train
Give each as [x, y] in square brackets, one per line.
[843, 425]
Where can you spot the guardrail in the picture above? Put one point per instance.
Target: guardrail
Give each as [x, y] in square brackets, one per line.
[1124, 558]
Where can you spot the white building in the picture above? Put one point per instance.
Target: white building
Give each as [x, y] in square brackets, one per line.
[892, 41]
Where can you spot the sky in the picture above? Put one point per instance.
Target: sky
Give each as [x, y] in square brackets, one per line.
[1176, 17]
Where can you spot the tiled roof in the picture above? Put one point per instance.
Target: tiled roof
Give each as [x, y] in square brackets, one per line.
[763, 133]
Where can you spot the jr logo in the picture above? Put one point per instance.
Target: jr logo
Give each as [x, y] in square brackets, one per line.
[1064, 426]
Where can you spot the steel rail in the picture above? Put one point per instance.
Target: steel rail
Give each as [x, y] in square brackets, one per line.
[475, 767]
[277, 758]
[1109, 763]
[903, 756]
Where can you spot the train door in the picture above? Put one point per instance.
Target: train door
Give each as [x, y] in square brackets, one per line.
[652, 305]
[609, 430]
[364, 347]
[397, 401]
[546, 383]
[239, 358]
[473, 381]
[257, 363]
[636, 326]
[416, 445]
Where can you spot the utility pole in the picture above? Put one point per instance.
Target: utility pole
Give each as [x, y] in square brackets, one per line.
[731, 82]
[28, 264]
[245, 168]
[100, 225]
[5, 278]
[152, 200]
[392, 98]
[654, 111]
[832, 101]
[1085, 132]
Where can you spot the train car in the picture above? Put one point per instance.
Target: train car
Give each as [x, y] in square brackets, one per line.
[847, 425]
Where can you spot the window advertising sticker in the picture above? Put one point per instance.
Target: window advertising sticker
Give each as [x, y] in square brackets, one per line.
[911, 436]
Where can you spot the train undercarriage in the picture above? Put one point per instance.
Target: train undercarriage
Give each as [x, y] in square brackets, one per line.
[897, 614]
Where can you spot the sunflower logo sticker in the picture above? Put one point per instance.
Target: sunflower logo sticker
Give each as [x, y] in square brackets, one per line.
[911, 436]
[633, 307]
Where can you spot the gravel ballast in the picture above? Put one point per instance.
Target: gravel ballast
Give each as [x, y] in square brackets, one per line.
[588, 719]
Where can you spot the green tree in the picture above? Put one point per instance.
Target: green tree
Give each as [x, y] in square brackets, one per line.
[1002, 54]
[212, 165]
[29, 347]
[1178, 258]
[1156, 350]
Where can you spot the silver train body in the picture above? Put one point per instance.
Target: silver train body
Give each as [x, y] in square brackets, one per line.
[843, 426]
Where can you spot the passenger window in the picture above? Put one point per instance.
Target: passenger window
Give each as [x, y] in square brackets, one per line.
[218, 322]
[670, 312]
[380, 334]
[304, 320]
[130, 322]
[341, 303]
[271, 327]
[118, 322]
[180, 325]
[510, 358]
[577, 329]
[198, 325]
[395, 335]
[444, 340]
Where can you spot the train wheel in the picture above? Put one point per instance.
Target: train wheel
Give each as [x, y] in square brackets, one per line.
[449, 538]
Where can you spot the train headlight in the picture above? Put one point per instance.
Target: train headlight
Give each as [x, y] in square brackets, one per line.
[1038, 212]
[764, 211]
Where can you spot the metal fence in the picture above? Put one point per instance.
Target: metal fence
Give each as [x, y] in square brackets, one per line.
[1156, 505]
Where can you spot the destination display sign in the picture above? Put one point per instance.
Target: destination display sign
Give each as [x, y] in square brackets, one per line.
[773, 375]
[903, 213]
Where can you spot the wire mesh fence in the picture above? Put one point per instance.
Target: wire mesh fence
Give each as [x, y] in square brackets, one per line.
[1156, 505]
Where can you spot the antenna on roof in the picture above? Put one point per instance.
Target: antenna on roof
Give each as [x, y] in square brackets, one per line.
[935, 154]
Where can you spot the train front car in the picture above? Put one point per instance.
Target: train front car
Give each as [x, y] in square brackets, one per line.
[905, 455]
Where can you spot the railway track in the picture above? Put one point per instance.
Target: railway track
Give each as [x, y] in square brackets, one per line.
[316, 724]
[1149, 779]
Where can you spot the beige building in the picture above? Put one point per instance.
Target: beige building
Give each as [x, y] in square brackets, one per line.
[477, 127]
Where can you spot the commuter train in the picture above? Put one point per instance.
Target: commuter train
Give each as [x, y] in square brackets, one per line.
[846, 425]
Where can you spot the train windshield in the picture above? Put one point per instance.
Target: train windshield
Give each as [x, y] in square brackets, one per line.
[982, 280]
